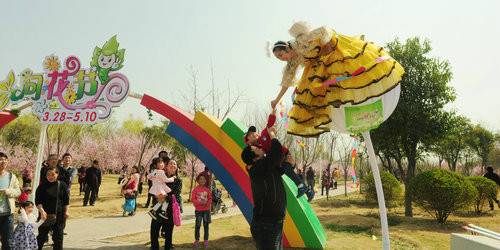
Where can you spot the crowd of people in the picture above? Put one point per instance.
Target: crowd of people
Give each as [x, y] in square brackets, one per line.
[51, 200]
[329, 180]
[266, 159]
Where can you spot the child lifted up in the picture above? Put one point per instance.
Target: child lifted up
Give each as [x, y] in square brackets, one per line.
[159, 188]
[263, 141]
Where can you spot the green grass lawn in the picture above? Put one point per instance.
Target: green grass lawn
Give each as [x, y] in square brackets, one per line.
[350, 223]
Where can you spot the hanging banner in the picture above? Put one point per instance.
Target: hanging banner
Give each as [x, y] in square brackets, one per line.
[364, 117]
[68, 93]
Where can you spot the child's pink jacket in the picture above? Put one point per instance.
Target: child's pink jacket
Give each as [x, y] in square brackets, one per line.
[201, 198]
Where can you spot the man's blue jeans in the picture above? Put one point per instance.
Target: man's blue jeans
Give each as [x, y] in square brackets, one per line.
[267, 235]
[6, 230]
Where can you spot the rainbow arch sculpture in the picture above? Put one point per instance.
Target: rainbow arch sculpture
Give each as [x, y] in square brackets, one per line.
[6, 117]
[219, 146]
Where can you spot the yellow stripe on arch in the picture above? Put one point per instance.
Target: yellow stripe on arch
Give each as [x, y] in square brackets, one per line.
[291, 232]
[213, 126]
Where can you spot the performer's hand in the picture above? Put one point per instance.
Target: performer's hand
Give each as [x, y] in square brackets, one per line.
[274, 103]
[272, 132]
[66, 215]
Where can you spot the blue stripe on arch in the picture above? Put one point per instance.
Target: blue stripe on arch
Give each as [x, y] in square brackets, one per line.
[215, 166]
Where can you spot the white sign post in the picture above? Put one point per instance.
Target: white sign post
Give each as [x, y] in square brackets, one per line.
[39, 158]
[360, 119]
[386, 244]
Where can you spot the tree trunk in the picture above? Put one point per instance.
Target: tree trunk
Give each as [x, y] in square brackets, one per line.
[454, 165]
[402, 175]
[320, 173]
[412, 160]
[143, 149]
[448, 162]
[345, 182]
[58, 141]
[408, 199]
[484, 162]
[192, 180]
[140, 157]
[49, 145]
[382, 160]
[361, 175]
[328, 169]
[389, 166]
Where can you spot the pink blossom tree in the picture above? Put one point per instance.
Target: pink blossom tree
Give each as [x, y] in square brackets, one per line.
[20, 157]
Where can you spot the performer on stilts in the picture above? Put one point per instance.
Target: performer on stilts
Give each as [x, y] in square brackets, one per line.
[338, 69]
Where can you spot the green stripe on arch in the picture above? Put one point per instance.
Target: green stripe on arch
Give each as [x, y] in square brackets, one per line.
[304, 217]
[236, 130]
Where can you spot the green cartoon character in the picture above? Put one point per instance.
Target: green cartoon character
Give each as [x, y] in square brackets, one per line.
[107, 59]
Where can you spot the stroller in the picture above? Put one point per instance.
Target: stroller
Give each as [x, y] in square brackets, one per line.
[310, 194]
[217, 203]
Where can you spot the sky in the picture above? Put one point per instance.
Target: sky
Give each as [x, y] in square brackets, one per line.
[164, 39]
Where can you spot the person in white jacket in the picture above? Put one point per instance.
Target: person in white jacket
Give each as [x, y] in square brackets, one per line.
[9, 191]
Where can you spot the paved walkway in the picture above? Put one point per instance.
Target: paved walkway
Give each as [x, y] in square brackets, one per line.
[90, 233]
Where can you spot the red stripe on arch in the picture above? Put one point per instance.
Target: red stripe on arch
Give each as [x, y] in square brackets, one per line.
[185, 121]
[6, 117]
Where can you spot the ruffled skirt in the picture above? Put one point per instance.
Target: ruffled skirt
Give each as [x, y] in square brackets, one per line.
[313, 103]
[159, 188]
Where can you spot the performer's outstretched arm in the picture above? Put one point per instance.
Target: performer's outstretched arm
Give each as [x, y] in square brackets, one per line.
[278, 98]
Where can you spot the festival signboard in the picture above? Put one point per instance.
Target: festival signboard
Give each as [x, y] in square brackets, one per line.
[362, 118]
[69, 93]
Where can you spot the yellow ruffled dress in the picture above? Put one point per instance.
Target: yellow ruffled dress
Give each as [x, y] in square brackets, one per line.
[313, 103]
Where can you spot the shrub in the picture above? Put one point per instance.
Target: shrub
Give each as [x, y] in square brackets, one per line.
[441, 192]
[485, 188]
[391, 186]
